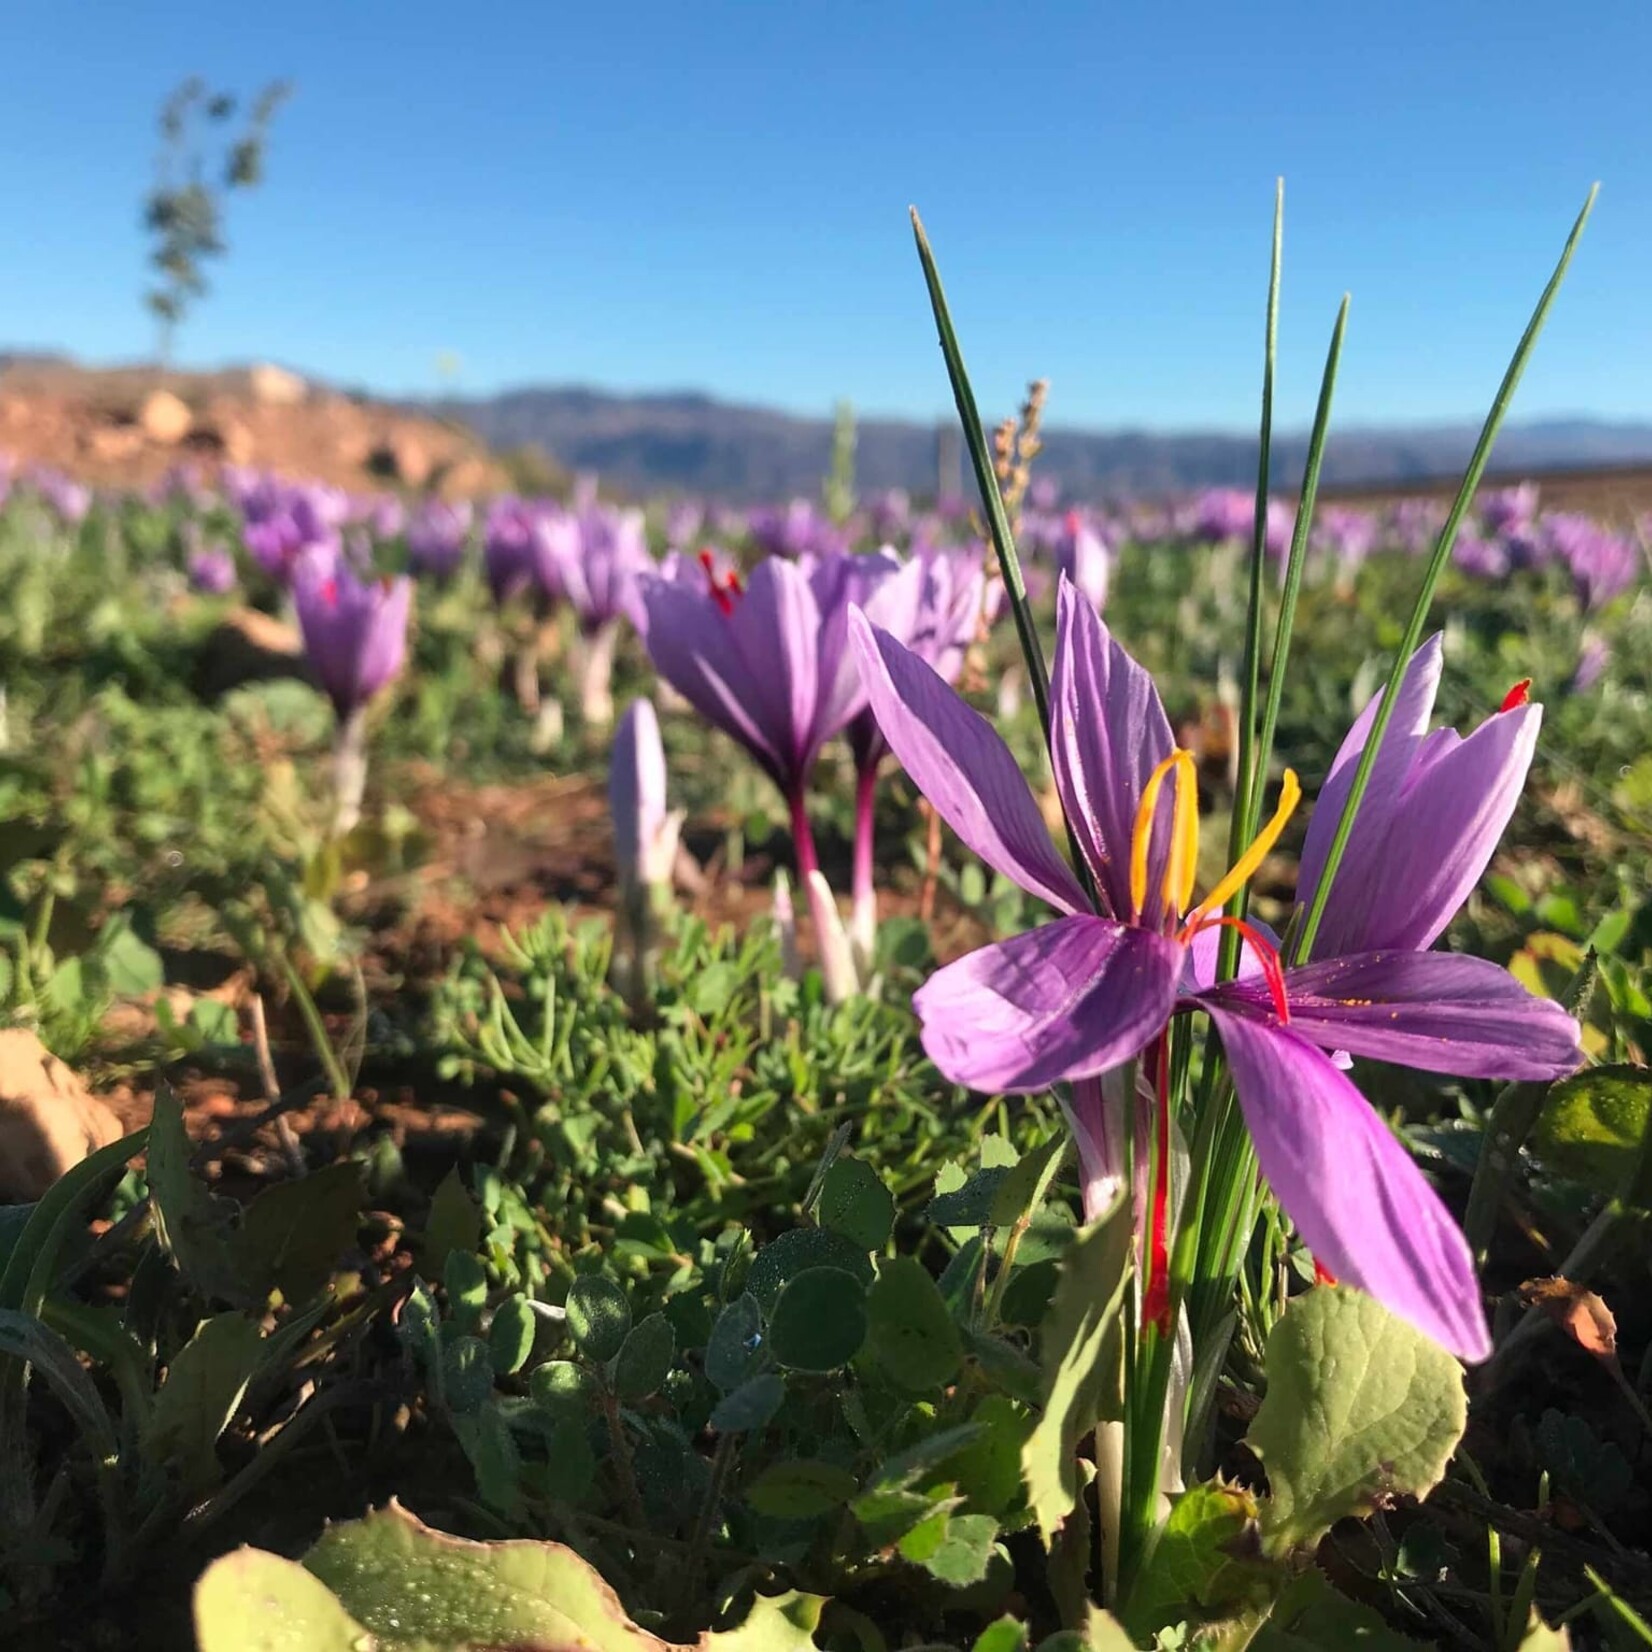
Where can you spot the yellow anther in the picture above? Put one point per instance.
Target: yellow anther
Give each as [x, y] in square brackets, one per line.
[1290, 794]
[1182, 867]
[1184, 833]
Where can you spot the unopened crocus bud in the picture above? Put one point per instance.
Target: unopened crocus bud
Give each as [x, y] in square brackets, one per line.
[646, 834]
[837, 957]
[212, 571]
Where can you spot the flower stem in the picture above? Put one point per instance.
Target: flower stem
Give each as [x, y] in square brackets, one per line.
[349, 771]
[863, 912]
[803, 837]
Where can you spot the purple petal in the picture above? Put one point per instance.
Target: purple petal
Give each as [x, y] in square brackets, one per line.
[1435, 1010]
[692, 647]
[1360, 1204]
[1203, 954]
[1068, 1000]
[1108, 732]
[1408, 870]
[1399, 746]
[776, 627]
[959, 762]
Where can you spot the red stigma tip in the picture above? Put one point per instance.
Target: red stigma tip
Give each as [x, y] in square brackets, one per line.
[1322, 1274]
[1073, 521]
[1519, 695]
[719, 593]
[1267, 955]
[329, 592]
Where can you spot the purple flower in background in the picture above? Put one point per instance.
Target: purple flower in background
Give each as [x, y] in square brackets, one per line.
[800, 528]
[437, 536]
[525, 547]
[354, 630]
[1592, 659]
[1482, 557]
[1415, 524]
[1346, 534]
[768, 662]
[604, 558]
[1602, 564]
[67, 500]
[1281, 526]
[1096, 988]
[212, 571]
[382, 514]
[1509, 510]
[1082, 555]
[890, 513]
[683, 520]
[1221, 514]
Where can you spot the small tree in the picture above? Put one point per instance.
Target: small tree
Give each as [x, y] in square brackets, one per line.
[201, 158]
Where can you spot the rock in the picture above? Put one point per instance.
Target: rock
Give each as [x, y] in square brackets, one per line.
[165, 418]
[275, 386]
[401, 457]
[246, 647]
[49, 1120]
[114, 442]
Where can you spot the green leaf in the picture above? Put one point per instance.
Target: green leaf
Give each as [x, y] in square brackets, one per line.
[965, 1550]
[819, 1320]
[292, 1234]
[192, 1226]
[988, 1470]
[389, 1583]
[465, 1279]
[800, 1248]
[1023, 1188]
[645, 1358]
[599, 1317]
[801, 1489]
[971, 1205]
[563, 1387]
[913, 1337]
[251, 1601]
[1310, 1615]
[734, 1346]
[467, 1374]
[511, 1336]
[1360, 1408]
[1006, 1635]
[204, 1386]
[454, 1224]
[749, 1406]
[1593, 1123]
[1193, 1561]
[494, 1459]
[131, 967]
[1082, 1355]
[855, 1202]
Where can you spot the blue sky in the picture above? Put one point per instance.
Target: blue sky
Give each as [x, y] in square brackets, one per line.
[686, 195]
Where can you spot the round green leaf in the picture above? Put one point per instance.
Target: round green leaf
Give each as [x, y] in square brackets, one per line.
[645, 1358]
[510, 1337]
[750, 1405]
[819, 1320]
[561, 1387]
[1593, 1123]
[855, 1203]
[801, 1489]
[599, 1317]
[734, 1344]
[912, 1334]
[801, 1248]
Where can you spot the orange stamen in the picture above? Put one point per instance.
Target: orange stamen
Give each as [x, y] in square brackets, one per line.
[1517, 696]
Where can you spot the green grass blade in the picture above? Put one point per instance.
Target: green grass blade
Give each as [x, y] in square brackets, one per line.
[992, 501]
[1296, 562]
[1436, 566]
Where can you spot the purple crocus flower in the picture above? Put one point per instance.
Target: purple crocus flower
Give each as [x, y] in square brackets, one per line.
[354, 630]
[768, 662]
[212, 571]
[525, 548]
[1509, 510]
[1082, 555]
[1097, 987]
[1592, 659]
[437, 536]
[1221, 514]
[800, 528]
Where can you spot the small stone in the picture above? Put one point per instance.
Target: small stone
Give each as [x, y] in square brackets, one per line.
[165, 418]
[275, 386]
[49, 1120]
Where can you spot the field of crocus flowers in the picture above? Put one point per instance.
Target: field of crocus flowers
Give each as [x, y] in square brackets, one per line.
[873, 1074]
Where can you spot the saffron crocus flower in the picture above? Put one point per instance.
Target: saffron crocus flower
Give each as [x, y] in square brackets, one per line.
[212, 571]
[768, 662]
[602, 564]
[933, 605]
[437, 536]
[1097, 987]
[355, 639]
[524, 550]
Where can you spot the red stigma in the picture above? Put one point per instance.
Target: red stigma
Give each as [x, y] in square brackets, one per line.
[1267, 955]
[719, 593]
[1322, 1274]
[329, 592]
[1155, 1307]
[1074, 521]
[1519, 695]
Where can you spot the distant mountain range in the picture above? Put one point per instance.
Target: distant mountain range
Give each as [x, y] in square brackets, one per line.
[698, 444]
